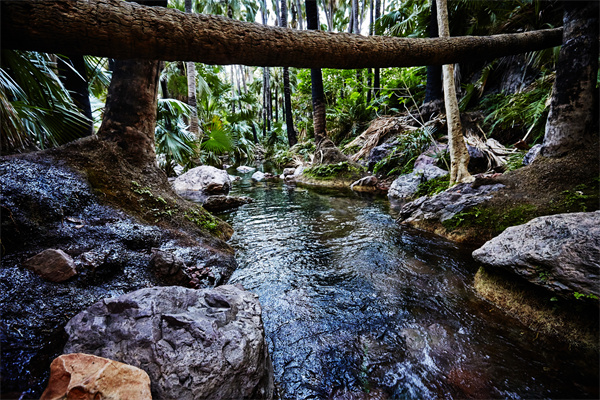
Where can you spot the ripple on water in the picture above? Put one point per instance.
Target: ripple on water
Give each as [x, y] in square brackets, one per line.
[355, 306]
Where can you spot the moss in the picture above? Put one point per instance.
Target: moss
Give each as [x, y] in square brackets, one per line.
[203, 219]
[333, 171]
[433, 186]
[574, 323]
[582, 197]
[492, 220]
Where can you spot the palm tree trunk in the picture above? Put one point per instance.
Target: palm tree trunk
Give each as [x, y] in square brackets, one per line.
[287, 94]
[433, 88]
[300, 19]
[376, 71]
[316, 78]
[573, 117]
[459, 156]
[75, 80]
[190, 68]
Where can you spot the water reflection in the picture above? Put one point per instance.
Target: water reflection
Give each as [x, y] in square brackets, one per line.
[356, 307]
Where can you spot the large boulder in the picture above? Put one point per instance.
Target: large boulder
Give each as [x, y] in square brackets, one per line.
[84, 376]
[194, 344]
[560, 252]
[202, 180]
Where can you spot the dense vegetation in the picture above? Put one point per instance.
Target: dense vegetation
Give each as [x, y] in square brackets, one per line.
[241, 109]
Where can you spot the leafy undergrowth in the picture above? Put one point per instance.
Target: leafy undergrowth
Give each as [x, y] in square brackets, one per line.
[143, 192]
[574, 321]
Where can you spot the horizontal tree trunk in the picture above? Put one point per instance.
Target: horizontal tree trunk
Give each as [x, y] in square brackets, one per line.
[118, 29]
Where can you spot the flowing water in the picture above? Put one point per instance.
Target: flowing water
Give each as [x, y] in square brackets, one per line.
[355, 306]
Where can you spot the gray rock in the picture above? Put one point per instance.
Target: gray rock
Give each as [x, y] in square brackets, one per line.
[560, 252]
[532, 154]
[52, 265]
[258, 176]
[448, 203]
[288, 171]
[194, 344]
[221, 203]
[244, 169]
[169, 267]
[405, 186]
[203, 179]
[377, 154]
[478, 163]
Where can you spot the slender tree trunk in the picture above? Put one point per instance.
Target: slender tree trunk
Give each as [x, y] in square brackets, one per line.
[573, 117]
[300, 19]
[371, 32]
[318, 96]
[113, 28]
[287, 95]
[377, 71]
[433, 88]
[75, 81]
[190, 68]
[268, 107]
[459, 156]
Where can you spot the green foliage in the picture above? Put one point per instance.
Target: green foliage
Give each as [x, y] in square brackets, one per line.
[35, 108]
[332, 171]
[579, 296]
[515, 161]
[489, 219]
[527, 110]
[153, 205]
[433, 186]
[172, 138]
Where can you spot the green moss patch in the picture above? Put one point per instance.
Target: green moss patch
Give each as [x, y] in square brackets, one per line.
[491, 220]
[433, 186]
[341, 170]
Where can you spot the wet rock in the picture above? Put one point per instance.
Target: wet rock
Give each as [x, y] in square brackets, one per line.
[366, 184]
[84, 376]
[258, 176]
[478, 163]
[222, 203]
[532, 154]
[52, 265]
[559, 252]
[169, 267]
[205, 179]
[48, 205]
[405, 186]
[193, 344]
[244, 169]
[428, 157]
[288, 171]
[377, 154]
[446, 204]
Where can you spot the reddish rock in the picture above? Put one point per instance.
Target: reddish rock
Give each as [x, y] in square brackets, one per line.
[87, 377]
[52, 265]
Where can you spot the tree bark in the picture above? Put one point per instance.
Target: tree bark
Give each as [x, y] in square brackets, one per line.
[287, 94]
[573, 117]
[124, 30]
[376, 71]
[433, 88]
[316, 78]
[459, 156]
[130, 114]
[190, 68]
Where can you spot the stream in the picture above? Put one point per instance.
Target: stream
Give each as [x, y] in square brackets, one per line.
[356, 306]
